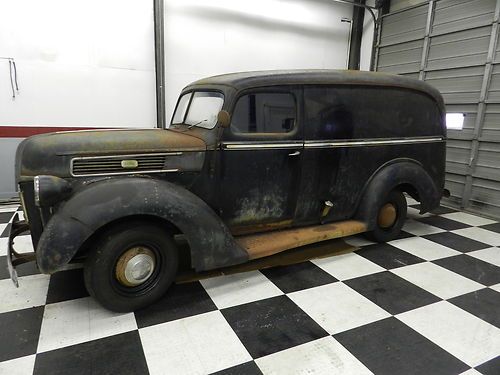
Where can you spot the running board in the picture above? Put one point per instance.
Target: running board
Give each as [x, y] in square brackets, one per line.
[265, 244]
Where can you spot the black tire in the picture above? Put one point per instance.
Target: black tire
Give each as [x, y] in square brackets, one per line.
[100, 266]
[386, 234]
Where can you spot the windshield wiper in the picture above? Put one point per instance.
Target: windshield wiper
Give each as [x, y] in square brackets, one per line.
[198, 123]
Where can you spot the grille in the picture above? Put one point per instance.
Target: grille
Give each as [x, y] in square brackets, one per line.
[105, 165]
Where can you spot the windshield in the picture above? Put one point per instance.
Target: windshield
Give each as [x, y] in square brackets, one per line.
[198, 109]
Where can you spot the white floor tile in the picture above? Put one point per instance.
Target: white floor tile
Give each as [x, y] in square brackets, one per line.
[423, 248]
[200, 344]
[437, 280]
[468, 219]
[496, 287]
[80, 320]
[414, 213]
[237, 289]
[357, 241]
[420, 229]
[337, 308]
[411, 201]
[490, 255]
[462, 334]
[323, 356]
[23, 244]
[3, 246]
[18, 366]
[471, 372]
[481, 235]
[347, 266]
[32, 292]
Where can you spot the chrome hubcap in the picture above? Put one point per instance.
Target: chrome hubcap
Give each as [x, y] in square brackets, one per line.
[135, 266]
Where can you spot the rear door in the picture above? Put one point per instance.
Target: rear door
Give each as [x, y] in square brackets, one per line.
[261, 160]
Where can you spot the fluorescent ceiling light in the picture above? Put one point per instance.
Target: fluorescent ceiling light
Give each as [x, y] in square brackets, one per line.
[455, 121]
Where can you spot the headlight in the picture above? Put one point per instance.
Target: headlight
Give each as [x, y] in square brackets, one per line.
[49, 190]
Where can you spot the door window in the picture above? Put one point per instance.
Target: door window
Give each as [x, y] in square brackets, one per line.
[264, 113]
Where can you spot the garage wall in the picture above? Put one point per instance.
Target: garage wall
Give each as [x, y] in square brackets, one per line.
[204, 38]
[452, 44]
[91, 63]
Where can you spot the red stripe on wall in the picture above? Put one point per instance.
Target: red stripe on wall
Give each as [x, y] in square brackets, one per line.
[27, 131]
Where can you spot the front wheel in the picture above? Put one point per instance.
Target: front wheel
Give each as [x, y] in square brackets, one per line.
[391, 216]
[131, 266]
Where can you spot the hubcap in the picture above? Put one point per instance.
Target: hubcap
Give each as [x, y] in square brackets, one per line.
[387, 215]
[135, 266]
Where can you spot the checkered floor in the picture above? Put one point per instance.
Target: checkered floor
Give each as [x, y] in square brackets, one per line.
[427, 303]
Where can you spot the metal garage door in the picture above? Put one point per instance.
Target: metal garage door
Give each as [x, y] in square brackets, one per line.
[452, 44]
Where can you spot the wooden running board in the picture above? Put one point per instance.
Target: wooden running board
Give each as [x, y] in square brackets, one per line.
[265, 244]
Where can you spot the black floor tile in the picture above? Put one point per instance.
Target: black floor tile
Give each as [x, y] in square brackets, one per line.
[390, 347]
[298, 276]
[391, 292]
[248, 368]
[483, 303]
[6, 216]
[120, 354]
[441, 210]
[19, 331]
[25, 269]
[495, 227]
[180, 301]
[388, 256]
[443, 223]
[271, 325]
[475, 269]
[456, 242]
[66, 285]
[491, 367]
[403, 235]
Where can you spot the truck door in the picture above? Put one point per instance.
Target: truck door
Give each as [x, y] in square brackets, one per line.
[326, 122]
[261, 156]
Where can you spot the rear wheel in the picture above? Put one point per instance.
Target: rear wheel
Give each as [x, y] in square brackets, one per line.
[390, 218]
[131, 266]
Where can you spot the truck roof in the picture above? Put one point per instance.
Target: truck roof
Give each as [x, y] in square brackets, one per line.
[244, 80]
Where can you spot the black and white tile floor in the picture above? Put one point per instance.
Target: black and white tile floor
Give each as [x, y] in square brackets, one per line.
[428, 303]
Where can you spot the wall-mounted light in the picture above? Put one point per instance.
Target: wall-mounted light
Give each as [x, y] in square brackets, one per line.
[455, 121]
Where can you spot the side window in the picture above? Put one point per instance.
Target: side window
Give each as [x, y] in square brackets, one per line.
[328, 113]
[357, 112]
[264, 113]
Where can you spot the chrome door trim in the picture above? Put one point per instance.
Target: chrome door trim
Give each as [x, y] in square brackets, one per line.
[256, 145]
[371, 142]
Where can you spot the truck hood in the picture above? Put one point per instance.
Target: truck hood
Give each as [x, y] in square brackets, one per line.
[51, 153]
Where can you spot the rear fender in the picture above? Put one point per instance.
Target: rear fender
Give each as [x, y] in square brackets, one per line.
[100, 203]
[390, 176]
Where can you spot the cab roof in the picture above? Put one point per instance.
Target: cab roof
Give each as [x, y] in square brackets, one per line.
[245, 80]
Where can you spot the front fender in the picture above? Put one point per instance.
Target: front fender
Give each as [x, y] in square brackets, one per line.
[105, 201]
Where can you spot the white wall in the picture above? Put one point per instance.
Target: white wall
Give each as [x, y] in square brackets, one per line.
[204, 38]
[81, 63]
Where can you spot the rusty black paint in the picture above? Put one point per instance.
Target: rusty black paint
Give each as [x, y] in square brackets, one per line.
[105, 201]
[218, 191]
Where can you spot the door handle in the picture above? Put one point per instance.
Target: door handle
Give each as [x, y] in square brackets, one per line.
[296, 153]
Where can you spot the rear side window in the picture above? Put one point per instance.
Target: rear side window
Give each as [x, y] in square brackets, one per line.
[264, 113]
[357, 112]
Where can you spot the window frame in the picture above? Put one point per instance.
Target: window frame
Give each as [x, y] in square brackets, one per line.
[192, 92]
[290, 90]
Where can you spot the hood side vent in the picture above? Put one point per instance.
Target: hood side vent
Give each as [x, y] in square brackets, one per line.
[120, 164]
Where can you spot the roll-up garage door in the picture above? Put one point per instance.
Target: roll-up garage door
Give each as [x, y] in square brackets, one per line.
[453, 45]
